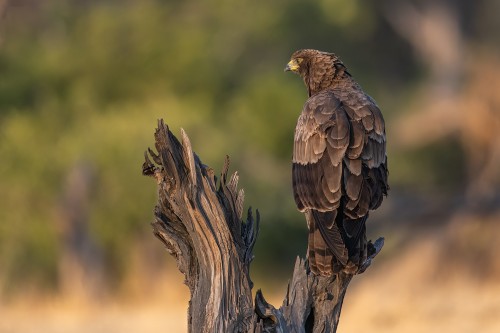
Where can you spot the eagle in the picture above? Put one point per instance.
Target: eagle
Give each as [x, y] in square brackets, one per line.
[339, 169]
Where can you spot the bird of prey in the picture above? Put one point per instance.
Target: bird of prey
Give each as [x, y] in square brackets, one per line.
[339, 168]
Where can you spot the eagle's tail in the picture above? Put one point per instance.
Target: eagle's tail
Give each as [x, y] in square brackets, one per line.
[320, 256]
[332, 248]
[326, 249]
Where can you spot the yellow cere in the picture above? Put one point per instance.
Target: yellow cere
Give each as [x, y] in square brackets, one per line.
[293, 65]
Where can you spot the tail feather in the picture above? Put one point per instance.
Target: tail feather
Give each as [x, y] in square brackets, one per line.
[334, 241]
[353, 230]
[325, 246]
[320, 256]
[330, 233]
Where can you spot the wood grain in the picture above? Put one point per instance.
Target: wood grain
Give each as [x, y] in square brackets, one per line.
[199, 220]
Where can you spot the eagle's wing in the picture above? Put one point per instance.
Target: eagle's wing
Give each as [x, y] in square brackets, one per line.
[320, 144]
[365, 175]
[339, 157]
[321, 141]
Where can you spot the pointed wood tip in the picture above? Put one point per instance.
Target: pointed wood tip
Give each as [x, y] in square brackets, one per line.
[188, 156]
[263, 309]
[148, 168]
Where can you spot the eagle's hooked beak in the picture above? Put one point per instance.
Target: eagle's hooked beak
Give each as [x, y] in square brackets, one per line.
[292, 66]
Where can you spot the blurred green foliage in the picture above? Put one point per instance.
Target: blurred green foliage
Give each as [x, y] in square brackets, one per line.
[85, 81]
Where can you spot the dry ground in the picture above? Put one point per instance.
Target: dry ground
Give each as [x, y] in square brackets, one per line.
[432, 285]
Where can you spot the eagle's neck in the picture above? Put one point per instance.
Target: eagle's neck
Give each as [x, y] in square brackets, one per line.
[326, 75]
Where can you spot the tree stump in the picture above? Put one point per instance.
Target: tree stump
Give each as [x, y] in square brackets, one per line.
[199, 219]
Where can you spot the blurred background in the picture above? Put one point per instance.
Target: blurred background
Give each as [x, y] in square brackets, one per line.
[83, 82]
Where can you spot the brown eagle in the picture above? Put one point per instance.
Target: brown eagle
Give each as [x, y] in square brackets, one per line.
[339, 162]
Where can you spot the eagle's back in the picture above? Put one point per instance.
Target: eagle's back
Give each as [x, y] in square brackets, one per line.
[339, 172]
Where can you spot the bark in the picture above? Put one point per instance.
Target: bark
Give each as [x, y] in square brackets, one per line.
[199, 219]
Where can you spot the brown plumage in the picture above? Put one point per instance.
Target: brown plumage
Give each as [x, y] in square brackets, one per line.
[339, 162]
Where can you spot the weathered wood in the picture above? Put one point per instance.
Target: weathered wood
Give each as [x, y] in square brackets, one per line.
[199, 219]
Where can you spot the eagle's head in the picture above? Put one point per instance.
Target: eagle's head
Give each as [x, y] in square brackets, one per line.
[300, 61]
[318, 69]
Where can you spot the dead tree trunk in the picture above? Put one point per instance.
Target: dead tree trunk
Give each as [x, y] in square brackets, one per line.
[199, 219]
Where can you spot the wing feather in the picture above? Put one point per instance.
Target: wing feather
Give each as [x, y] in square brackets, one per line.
[354, 166]
[368, 122]
[353, 185]
[321, 140]
[339, 165]
[357, 139]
